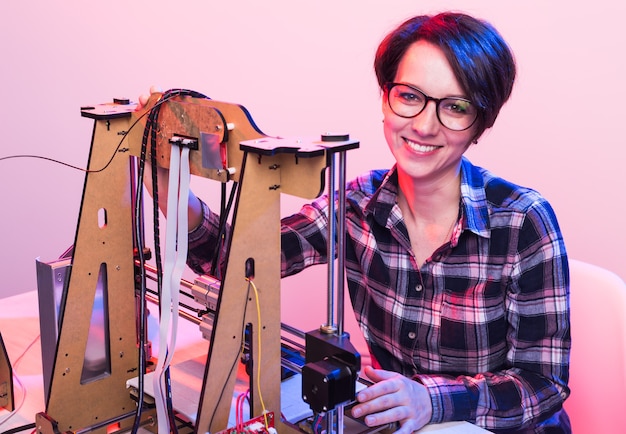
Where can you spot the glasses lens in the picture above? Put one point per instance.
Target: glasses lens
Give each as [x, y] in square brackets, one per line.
[406, 101]
[456, 114]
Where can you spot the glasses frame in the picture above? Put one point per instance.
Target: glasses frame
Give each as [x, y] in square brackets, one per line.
[428, 98]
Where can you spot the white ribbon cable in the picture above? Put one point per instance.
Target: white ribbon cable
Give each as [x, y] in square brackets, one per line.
[166, 290]
[175, 259]
[181, 246]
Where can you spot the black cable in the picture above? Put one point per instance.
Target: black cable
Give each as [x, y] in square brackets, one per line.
[243, 332]
[139, 239]
[20, 428]
[142, 282]
[150, 132]
[157, 248]
[224, 212]
[153, 119]
[153, 150]
[119, 145]
[41, 157]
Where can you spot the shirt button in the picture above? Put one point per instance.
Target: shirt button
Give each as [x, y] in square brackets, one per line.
[411, 335]
[418, 287]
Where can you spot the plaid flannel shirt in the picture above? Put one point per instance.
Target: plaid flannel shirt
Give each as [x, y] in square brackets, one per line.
[483, 323]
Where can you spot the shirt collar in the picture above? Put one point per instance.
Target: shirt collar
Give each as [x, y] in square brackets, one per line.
[384, 198]
[473, 199]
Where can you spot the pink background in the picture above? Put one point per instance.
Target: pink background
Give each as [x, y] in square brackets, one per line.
[303, 68]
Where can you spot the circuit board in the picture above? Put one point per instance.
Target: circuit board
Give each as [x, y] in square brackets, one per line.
[256, 425]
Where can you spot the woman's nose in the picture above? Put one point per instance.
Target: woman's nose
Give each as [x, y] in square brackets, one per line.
[427, 123]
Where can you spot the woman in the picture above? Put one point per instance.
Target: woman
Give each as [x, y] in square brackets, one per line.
[458, 278]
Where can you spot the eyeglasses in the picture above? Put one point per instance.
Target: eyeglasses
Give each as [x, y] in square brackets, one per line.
[406, 101]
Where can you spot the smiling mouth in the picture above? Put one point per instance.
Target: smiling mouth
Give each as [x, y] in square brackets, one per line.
[420, 148]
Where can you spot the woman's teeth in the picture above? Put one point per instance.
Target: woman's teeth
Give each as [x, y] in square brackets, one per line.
[420, 148]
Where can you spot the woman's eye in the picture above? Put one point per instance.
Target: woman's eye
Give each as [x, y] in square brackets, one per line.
[411, 98]
[457, 106]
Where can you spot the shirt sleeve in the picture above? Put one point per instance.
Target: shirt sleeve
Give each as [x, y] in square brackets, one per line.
[202, 242]
[533, 385]
[303, 240]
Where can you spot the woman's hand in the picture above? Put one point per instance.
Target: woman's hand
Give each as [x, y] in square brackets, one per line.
[394, 398]
[194, 205]
[143, 98]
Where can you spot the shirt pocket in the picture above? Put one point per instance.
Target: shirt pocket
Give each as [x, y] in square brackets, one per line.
[473, 331]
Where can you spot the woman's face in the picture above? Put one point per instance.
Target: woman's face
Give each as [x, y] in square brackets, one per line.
[424, 149]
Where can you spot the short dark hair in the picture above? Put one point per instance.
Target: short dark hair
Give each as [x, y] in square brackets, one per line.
[480, 58]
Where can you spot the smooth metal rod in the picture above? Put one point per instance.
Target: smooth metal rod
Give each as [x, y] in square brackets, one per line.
[330, 421]
[340, 421]
[291, 329]
[341, 242]
[330, 321]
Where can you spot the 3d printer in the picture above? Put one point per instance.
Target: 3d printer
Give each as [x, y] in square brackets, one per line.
[105, 278]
